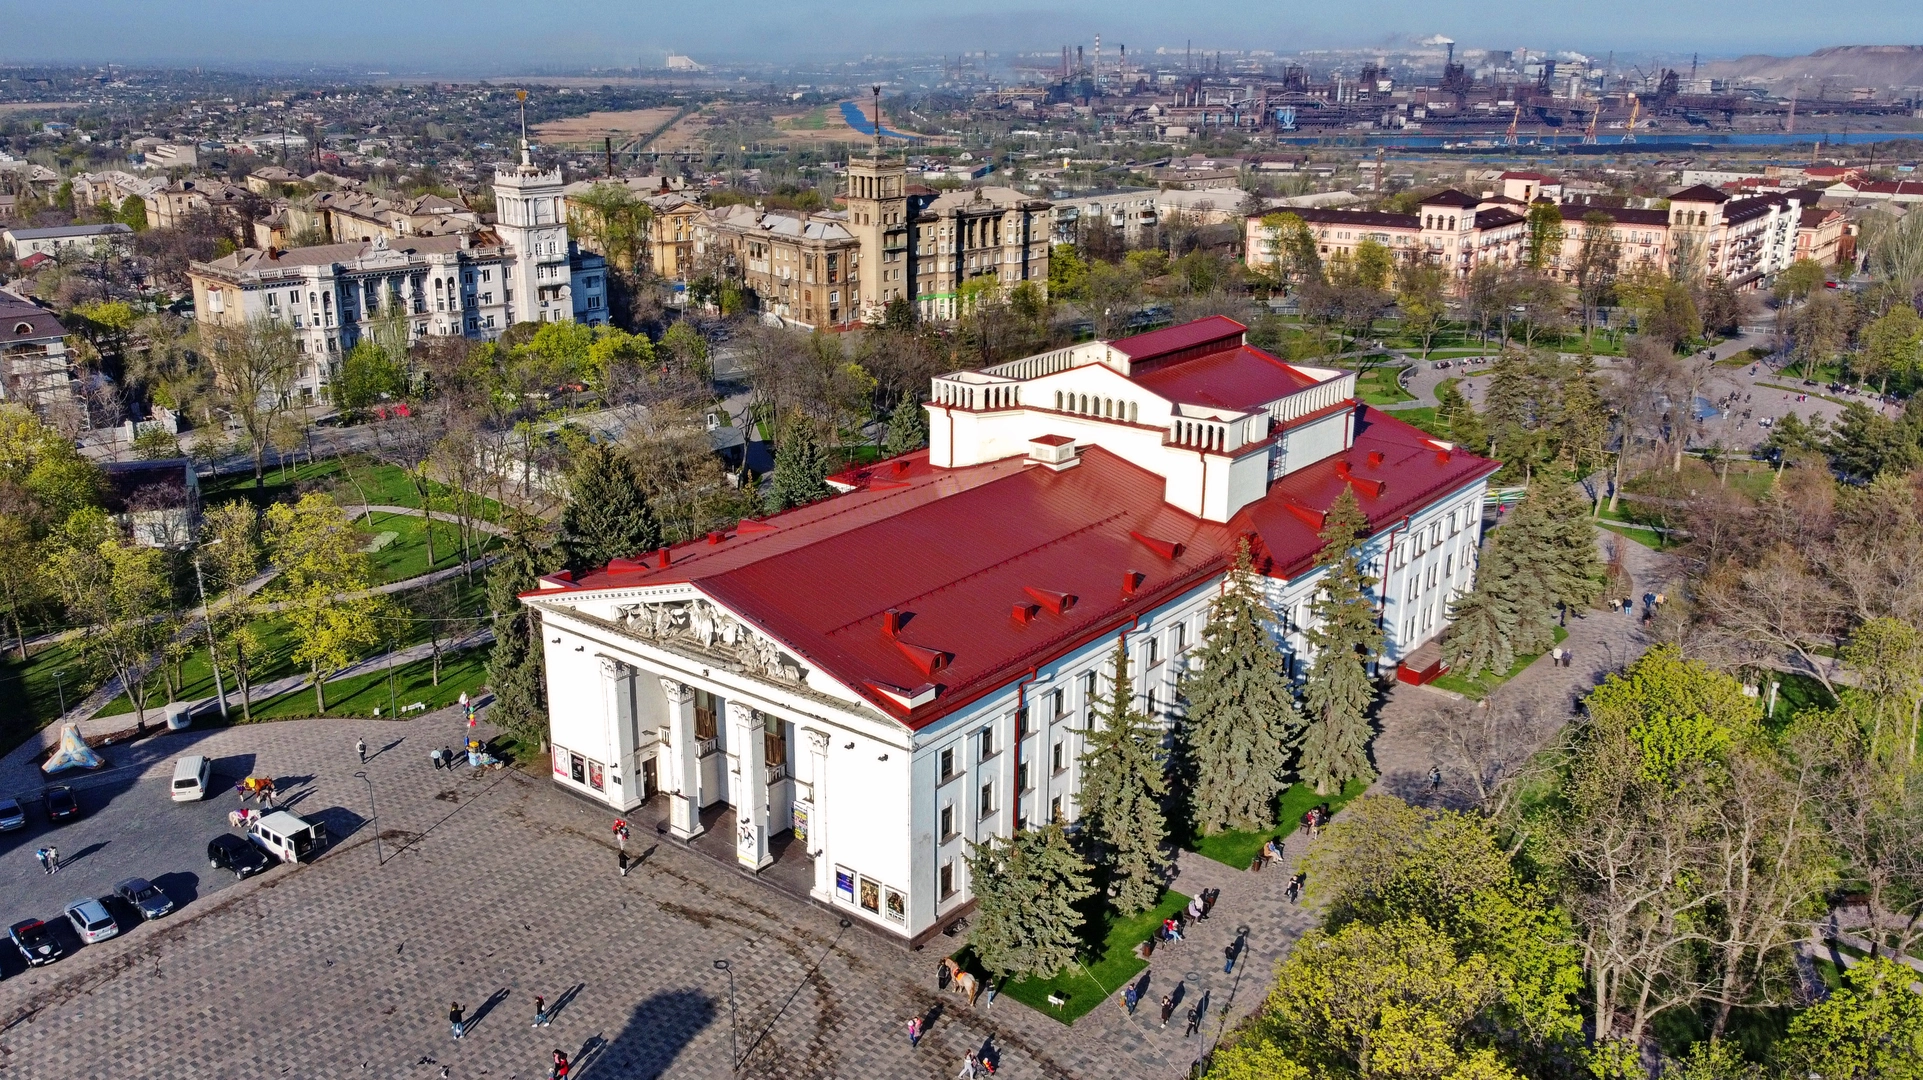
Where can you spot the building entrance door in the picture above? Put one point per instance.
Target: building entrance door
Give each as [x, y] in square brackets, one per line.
[647, 779]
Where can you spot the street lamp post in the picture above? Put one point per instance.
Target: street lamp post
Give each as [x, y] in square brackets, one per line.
[213, 654]
[733, 1059]
[374, 817]
[60, 687]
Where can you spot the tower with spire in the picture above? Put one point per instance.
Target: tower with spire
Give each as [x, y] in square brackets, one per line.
[532, 221]
[877, 201]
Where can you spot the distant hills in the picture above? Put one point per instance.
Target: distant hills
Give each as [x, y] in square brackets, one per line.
[1858, 65]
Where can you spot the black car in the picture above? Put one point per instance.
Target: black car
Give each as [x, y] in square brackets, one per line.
[35, 941]
[145, 897]
[230, 852]
[61, 804]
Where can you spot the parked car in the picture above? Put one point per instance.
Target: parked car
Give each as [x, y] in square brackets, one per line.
[288, 837]
[91, 920]
[145, 897]
[35, 941]
[12, 815]
[192, 776]
[61, 804]
[230, 852]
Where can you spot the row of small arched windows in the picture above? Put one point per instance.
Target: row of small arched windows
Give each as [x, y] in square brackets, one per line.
[1108, 408]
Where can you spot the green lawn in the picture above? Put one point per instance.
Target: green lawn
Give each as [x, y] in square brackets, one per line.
[1380, 386]
[406, 555]
[1088, 983]
[1424, 417]
[1484, 686]
[355, 478]
[30, 692]
[362, 694]
[1238, 848]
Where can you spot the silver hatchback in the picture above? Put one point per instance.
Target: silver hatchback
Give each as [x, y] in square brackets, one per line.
[91, 920]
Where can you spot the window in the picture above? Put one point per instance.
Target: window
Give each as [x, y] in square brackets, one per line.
[1452, 523]
[1055, 809]
[1058, 757]
[987, 743]
[1021, 778]
[1432, 575]
[774, 740]
[1060, 700]
[988, 799]
[947, 879]
[1449, 566]
[1154, 650]
[1415, 584]
[948, 763]
[947, 822]
[707, 708]
[1181, 642]
[1021, 723]
[1089, 693]
[1435, 535]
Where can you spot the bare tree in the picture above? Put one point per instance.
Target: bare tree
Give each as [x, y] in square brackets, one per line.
[254, 366]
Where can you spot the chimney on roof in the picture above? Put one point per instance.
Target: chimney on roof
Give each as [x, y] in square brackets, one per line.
[1056, 452]
[664, 559]
[1131, 581]
[1375, 459]
[891, 622]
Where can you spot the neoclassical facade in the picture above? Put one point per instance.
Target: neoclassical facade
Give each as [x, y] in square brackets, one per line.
[851, 691]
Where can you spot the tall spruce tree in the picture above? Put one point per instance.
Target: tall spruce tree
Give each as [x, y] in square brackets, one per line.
[800, 466]
[907, 428]
[514, 668]
[607, 515]
[1335, 747]
[1123, 782]
[1546, 559]
[1242, 723]
[1026, 891]
[1482, 622]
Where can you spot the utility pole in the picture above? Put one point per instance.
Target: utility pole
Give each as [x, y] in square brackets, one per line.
[213, 654]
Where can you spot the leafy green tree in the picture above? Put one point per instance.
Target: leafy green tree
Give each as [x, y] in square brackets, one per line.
[515, 666]
[1872, 1029]
[1886, 655]
[229, 559]
[1542, 244]
[1027, 889]
[617, 356]
[611, 219]
[801, 466]
[1067, 273]
[368, 375]
[117, 591]
[684, 348]
[1344, 636]
[607, 515]
[1242, 722]
[1792, 438]
[1893, 345]
[254, 367]
[1799, 280]
[1123, 783]
[323, 586]
[1293, 255]
[133, 213]
[1374, 263]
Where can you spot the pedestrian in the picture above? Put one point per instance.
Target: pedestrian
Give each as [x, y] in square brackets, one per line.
[435, 757]
[1555, 656]
[1435, 778]
[914, 1032]
[968, 1069]
[1130, 996]
[621, 833]
[1168, 1008]
[1229, 954]
[454, 1012]
[1295, 889]
[622, 858]
[1209, 896]
[559, 1071]
[1195, 1018]
[540, 1012]
[447, 756]
[53, 859]
[41, 854]
[360, 747]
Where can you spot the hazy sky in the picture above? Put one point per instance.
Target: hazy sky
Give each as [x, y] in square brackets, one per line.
[498, 35]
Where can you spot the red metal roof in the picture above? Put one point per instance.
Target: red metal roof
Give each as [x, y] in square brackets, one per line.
[1155, 343]
[961, 555]
[1240, 378]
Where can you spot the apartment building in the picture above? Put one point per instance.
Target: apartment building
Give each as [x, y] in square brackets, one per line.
[85, 239]
[473, 283]
[34, 365]
[1457, 231]
[804, 267]
[167, 206]
[348, 216]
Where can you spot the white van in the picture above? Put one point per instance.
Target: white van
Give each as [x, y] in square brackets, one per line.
[288, 836]
[192, 774]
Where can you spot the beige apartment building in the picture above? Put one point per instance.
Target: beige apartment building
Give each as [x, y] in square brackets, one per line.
[804, 267]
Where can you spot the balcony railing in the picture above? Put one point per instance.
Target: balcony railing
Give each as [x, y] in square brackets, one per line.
[777, 771]
[706, 747]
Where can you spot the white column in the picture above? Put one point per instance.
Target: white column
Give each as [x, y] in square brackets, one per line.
[679, 770]
[623, 779]
[748, 774]
[817, 842]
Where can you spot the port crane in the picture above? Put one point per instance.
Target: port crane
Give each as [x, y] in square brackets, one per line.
[1513, 121]
[1635, 108]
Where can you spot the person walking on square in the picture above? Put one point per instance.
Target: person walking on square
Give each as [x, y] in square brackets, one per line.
[53, 859]
[914, 1032]
[540, 1012]
[1195, 1016]
[1229, 954]
[360, 747]
[1168, 1008]
[559, 1071]
[1130, 996]
[969, 1069]
[454, 1012]
[621, 833]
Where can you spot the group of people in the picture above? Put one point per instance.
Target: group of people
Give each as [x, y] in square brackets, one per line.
[49, 857]
[458, 1022]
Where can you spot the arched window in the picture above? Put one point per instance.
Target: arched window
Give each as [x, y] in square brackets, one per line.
[1131, 412]
[1058, 401]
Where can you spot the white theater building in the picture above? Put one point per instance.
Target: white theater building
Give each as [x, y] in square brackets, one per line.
[843, 694]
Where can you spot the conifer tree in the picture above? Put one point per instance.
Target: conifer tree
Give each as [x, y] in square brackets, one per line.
[607, 515]
[907, 428]
[514, 668]
[1026, 891]
[1335, 747]
[1482, 631]
[1546, 559]
[800, 466]
[1121, 796]
[1242, 723]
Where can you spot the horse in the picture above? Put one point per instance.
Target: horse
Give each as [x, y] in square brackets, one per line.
[966, 985]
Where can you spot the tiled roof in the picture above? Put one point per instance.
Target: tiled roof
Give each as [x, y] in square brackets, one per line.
[1451, 197]
[1699, 193]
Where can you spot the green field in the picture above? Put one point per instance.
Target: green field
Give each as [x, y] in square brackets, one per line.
[1238, 848]
[30, 692]
[1379, 386]
[406, 555]
[361, 695]
[1088, 983]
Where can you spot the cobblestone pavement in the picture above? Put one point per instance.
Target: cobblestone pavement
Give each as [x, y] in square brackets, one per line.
[497, 887]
